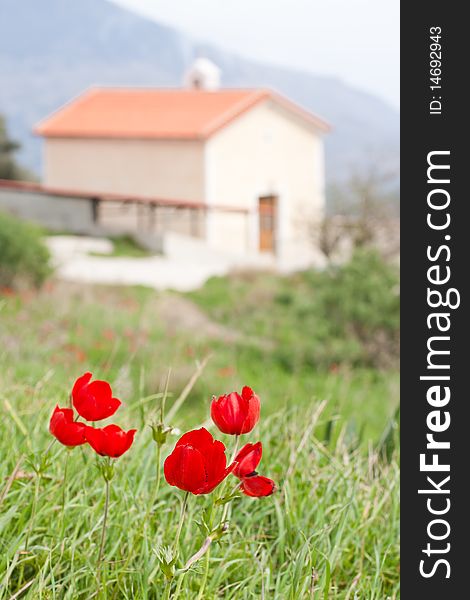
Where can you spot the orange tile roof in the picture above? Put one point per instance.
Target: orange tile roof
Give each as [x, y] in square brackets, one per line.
[157, 113]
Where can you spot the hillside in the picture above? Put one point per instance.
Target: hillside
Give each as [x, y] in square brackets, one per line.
[64, 46]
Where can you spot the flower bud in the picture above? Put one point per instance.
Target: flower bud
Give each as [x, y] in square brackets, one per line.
[160, 433]
[167, 561]
[107, 470]
[219, 531]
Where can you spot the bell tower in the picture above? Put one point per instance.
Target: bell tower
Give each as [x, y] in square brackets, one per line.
[203, 74]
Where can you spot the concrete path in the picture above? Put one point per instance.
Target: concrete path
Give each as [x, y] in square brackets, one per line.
[186, 265]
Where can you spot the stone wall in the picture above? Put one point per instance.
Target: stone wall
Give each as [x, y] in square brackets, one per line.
[72, 215]
[56, 213]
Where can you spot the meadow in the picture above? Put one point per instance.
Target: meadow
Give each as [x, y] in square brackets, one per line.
[328, 427]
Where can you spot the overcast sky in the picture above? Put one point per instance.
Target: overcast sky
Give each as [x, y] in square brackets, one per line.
[356, 40]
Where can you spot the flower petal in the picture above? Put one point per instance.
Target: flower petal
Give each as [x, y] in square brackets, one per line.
[215, 461]
[110, 441]
[184, 468]
[209, 486]
[64, 429]
[94, 401]
[80, 383]
[101, 390]
[252, 411]
[229, 412]
[247, 392]
[198, 438]
[257, 486]
[248, 459]
[96, 438]
[236, 414]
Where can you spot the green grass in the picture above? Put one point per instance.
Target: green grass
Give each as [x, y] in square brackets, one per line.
[123, 245]
[126, 245]
[316, 319]
[330, 532]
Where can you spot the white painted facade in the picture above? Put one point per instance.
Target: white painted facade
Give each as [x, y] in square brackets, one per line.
[172, 169]
[267, 150]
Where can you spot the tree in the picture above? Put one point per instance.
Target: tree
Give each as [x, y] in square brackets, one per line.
[9, 168]
[362, 213]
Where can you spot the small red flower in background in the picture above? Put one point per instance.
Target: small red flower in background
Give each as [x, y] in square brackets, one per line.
[109, 441]
[226, 372]
[8, 292]
[108, 334]
[234, 413]
[77, 353]
[63, 427]
[198, 463]
[246, 461]
[94, 400]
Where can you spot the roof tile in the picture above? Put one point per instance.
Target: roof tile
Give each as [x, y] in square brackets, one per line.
[152, 113]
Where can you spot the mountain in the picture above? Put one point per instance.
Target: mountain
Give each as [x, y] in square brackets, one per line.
[51, 50]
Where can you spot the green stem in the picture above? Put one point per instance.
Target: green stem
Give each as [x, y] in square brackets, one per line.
[227, 505]
[180, 524]
[166, 595]
[154, 498]
[33, 510]
[178, 586]
[64, 485]
[234, 454]
[165, 394]
[103, 529]
[175, 549]
[159, 473]
[49, 446]
[235, 450]
[200, 596]
[224, 515]
[30, 526]
[159, 450]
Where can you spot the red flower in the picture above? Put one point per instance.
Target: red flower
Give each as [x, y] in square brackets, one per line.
[234, 413]
[257, 486]
[110, 440]
[94, 401]
[63, 427]
[198, 463]
[246, 461]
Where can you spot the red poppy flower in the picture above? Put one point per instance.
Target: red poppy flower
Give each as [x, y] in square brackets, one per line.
[110, 440]
[63, 427]
[94, 401]
[198, 463]
[234, 413]
[246, 461]
[257, 486]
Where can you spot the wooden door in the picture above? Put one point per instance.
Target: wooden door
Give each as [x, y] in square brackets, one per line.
[267, 223]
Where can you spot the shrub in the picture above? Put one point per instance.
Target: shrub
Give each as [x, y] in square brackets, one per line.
[356, 311]
[24, 258]
[346, 314]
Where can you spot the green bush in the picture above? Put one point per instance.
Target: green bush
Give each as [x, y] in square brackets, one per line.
[346, 314]
[24, 258]
[356, 311]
